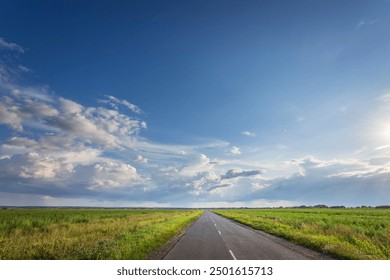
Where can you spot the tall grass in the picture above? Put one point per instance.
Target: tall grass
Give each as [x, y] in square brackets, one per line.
[343, 233]
[87, 233]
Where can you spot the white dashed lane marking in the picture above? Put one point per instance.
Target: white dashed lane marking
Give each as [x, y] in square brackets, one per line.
[231, 253]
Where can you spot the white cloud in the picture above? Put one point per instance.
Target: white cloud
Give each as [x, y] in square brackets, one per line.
[115, 102]
[248, 133]
[199, 165]
[32, 108]
[24, 69]
[70, 107]
[108, 174]
[140, 159]
[33, 165]
[235, 151]
[333, 182]
[366, 22]
[58, 138]
[10, 46]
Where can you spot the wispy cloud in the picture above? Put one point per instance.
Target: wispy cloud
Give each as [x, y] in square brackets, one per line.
[248, 133]
[115, 103]
[10, 46]
[366, 22]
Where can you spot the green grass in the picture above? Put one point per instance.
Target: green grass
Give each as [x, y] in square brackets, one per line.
[343, 233]
[88, 233]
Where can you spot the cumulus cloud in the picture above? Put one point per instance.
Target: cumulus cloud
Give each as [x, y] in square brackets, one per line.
[59, 142]
[67, 119]
[33, 165]
[200, 164]
[105, 175]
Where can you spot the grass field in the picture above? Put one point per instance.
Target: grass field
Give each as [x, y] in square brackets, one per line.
[87, 233]
[343, 233]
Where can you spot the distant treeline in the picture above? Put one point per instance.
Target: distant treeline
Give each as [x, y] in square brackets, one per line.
[341, 206]
[313, 207]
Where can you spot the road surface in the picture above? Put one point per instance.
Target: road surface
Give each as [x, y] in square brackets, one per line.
[213, 237]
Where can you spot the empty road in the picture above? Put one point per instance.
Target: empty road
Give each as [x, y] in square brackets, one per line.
[213, 237]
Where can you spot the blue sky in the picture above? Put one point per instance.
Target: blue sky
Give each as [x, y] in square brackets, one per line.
[194, 103]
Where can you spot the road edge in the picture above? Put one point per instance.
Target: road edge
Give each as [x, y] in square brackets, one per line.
[162, 251]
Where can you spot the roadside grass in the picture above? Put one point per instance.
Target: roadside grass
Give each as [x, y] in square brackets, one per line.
[88, 233]
[342, 233]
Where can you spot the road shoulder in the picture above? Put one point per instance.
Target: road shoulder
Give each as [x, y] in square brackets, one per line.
[162, 251]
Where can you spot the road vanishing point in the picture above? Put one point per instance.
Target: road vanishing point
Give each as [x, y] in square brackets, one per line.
[213, 237]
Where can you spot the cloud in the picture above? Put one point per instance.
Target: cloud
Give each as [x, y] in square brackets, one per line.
[219, 186]
[199, 165]
[257, 203]
[24, 69]
[17, 199]
[62, 145]
[10, 46]
[332, 182]
[140, 159]
[234, 173]
[107, 175]
[115, 102]
[365, 22]
[248, 133]
[235, 151]
[33, 165]
[57, 150]
[66, 119]
[61, 148]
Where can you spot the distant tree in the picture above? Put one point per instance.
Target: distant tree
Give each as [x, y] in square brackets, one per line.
[320, 206]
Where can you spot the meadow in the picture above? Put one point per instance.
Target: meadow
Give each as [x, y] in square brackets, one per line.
[342, 233]
[88, 233]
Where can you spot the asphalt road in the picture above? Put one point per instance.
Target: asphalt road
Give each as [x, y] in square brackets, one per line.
[213, 237]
